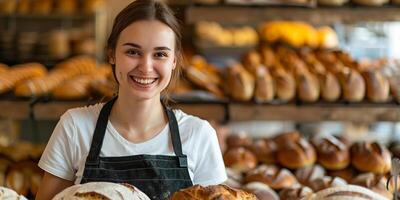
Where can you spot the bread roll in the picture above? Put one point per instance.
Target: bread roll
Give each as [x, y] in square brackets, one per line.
[377, 86]
[272, 176]
[298, 154]
[353, 85]
[285, 84]
[265, 88]
[376, 183]
[332, 153]
[319, 184]
[348, 192]
[198, 192]
[307, 86]
[240, 83]
[371, 157]
[20, 73]
[265, 151]
[295, 193]
[102, 190]
[330, 86]
[261, 190]
[240, 159]
[307, 174]
[240, 139]
[202, 79]
[16, 180]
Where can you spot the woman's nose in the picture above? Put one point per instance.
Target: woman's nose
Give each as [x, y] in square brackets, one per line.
[146, 64]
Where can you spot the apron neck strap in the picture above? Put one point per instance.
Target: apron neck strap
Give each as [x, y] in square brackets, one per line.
[101, 126]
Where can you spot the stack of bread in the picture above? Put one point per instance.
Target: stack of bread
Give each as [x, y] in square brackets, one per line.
[298, 34]
[292, 167]
[285, 73]
[213, 34]
[18, 168]
[18, 74]
[63, 71]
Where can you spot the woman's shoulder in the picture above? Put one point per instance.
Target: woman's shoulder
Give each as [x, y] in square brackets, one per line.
[192, 123]
[84, 112]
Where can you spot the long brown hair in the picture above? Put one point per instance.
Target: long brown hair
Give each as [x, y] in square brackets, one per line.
[148, 10]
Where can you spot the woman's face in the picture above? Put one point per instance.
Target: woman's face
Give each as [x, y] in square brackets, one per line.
[144, 58]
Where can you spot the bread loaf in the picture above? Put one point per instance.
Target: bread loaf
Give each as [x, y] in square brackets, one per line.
[307, 174]
[330, 86]
[348, 192]
[261, 190]
[295, 193]
[265, 151]
[353, 85]
[20, 73]
[102, 190]
[251, 61]
[265, 88]
[198, 192]
[268, 57]
[347, 174]
[298, 154]
[371, 157]
[240, 159]
[332, 153]
[307, 86]
[285, 84]
[376, 183]
[3, 68]
[240, 83]
[319, 184]
[377, 86]
[240, 139]
[9, 194]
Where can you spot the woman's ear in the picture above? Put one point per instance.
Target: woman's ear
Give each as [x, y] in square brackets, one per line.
[174, 64]
[111, 56]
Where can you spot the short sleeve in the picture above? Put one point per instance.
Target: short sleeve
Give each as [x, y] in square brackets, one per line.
[57, 158]
[210, 168]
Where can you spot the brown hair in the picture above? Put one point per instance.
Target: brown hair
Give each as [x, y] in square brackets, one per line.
[149, 10]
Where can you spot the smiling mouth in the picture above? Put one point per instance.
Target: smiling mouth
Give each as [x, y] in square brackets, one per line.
[143, 81]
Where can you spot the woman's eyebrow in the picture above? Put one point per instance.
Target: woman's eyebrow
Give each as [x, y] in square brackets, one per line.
[162, 48]
[132, 45]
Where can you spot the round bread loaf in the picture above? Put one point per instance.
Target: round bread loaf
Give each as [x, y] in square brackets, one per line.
[298, 154]
[371, 157]
[101, 190]
[198, 192]
[240, 159]
[348, 192]
[265, 151]
[295, 193]
[332, 153]
[261, 190]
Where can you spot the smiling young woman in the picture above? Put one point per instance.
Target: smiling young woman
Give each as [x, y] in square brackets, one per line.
[135, 138]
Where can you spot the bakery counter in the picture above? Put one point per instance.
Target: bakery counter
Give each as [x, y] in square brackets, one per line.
[316, 112]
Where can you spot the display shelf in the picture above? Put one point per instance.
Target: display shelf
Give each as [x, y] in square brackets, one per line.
[52, 16]
[315, 113]
[320, 16]
[220, 111]
[12, 109]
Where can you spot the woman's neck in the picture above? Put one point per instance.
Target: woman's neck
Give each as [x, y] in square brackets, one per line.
[138, 121]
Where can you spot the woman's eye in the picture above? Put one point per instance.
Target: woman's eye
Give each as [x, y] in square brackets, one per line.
[160, 54]
[132, 52]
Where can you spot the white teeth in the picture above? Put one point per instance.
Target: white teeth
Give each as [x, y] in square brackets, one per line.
[144, 81]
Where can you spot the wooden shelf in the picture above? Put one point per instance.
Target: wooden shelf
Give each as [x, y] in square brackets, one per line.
[318, 16]
[228, 111]
[312, 113]
[16, 110]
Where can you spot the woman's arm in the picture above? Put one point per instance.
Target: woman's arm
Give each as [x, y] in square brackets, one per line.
[50, 186]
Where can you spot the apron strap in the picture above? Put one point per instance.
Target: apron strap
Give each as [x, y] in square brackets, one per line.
[99, 132]
[175, 137]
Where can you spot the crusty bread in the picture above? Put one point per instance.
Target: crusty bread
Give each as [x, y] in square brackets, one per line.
[348, 192]
[212, 192]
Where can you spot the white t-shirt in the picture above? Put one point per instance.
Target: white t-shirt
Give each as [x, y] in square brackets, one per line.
[69, 145]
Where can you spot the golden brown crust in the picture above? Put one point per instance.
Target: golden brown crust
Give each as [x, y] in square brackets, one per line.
[307, 174]
[298, 154]
[376, 183]
[213, 192]
[377, 86]
[265, 87]
[239, 83]
[285, 84]
[20, 73]
[371, 157]
[353, 85]
[240, 159]
[286, 137]
[261, 190]
[326, 182]
[265, 151]
[347, 174]
[272, 176]
[241, 139]
[333, 154]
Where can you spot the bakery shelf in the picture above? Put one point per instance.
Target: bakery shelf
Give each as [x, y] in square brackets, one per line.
[315, 113]
[319, 16]
[12, 109]
[48, 17]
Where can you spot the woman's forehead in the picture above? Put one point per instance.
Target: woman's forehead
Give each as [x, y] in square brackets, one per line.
[148, 34]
